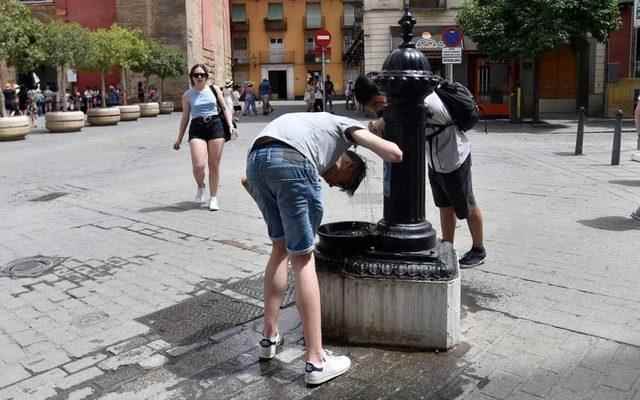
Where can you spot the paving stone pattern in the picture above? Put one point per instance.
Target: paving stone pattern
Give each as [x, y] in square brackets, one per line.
[553, 313]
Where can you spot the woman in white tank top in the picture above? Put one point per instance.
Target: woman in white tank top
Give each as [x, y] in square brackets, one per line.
[201, 109]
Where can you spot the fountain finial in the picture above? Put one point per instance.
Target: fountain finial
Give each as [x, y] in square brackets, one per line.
[407, 22]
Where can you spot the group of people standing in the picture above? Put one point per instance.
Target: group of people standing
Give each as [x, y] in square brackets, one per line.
[318, 96]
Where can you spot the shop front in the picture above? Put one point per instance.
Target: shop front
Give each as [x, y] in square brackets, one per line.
[491, 83]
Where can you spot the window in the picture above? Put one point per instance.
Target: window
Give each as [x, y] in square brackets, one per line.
[309, 43]
[428, 3]
[276, 12]
[238, 13]
[239, 43]
[314, 15]
[276, 44]
[349, 14]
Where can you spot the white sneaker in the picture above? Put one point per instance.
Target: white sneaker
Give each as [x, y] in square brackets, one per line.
[636, 214]
[269, 346]
[201, 195]
[332, 366]
[213, 204]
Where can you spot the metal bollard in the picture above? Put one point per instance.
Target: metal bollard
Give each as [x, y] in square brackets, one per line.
[617, 139]
[580, 136]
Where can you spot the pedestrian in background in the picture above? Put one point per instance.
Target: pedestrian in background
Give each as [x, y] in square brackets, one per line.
[265, 96]
[141, 92]
[318, 97]
[9, 94]
[329, 92]
[250, 100]
[206, 132]
[348, 94]
[237, 107]
[309, 94]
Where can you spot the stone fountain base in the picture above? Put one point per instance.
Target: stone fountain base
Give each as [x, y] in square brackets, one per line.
[406, 300]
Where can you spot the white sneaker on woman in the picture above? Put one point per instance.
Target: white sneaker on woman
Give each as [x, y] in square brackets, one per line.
[332, 366]
[213, 204]
[201, 195]
[269, 346]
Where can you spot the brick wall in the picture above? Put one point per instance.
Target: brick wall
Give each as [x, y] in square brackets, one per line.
[164, 20]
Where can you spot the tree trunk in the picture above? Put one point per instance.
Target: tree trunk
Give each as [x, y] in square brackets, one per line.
[3, 110]
[536, 89]
[104, 89]
[161, 94]
[124, 87]
[59, 105]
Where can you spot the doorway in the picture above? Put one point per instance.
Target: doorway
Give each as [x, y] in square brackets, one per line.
[278, 81]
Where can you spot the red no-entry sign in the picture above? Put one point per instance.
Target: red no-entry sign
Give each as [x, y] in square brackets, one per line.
[323, 38]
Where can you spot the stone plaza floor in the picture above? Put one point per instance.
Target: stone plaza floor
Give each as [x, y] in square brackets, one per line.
[147, 295]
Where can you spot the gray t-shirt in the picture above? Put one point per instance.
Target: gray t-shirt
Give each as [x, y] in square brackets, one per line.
[318, 136]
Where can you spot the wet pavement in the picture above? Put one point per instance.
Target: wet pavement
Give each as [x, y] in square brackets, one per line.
[146, 295]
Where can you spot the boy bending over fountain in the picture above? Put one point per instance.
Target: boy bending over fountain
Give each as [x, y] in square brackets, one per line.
[284, 166]
[449, 156]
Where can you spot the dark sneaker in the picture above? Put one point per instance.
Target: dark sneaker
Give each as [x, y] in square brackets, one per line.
[473, 258]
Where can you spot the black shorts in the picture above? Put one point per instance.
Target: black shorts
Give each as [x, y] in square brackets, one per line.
[237, 108]
[454, 189]
[206, 129]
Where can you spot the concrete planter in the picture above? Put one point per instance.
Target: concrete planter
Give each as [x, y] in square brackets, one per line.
[14, 128]
[104, 116]
[148, 110]
[59, 122]
[129, 113]
[166, 107]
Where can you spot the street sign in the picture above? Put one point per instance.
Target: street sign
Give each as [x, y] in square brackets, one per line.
[322, 38]
[452, 37]
[452, 55]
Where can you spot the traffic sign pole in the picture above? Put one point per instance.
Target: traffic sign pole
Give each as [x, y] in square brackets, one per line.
[324, 79]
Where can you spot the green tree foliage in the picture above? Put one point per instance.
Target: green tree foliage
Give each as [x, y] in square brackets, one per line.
[132, 52]
[170, 64]
[510, 29]
[19, 39]
[103, 51]
[65, 45]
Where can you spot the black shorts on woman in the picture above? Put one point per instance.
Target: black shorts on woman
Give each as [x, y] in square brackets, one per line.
[206, 128]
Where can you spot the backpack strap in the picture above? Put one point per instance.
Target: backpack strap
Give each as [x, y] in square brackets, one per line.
[441, 128]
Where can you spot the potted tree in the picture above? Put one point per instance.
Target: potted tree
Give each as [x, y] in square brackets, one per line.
[170, 64]
[101, 56]
[65, 45]
[149, 68]
[132, 54]
[19, 33]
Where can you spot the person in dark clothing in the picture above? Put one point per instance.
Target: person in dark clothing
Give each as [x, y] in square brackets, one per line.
[9, 98]
[140, 92]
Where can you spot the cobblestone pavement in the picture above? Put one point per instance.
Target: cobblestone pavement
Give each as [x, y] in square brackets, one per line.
[149, 296]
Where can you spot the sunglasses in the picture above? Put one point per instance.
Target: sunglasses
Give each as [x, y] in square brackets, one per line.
[199, 75]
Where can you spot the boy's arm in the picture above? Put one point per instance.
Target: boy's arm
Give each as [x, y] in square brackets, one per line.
[387, 150]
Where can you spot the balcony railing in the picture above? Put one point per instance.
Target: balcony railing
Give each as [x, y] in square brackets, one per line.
[240, 57]
[275, 24]
[312, 22]
[428, 4]
[276, 57]
[240, 26]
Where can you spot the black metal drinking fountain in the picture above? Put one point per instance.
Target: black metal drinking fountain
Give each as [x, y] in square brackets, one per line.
[393, 283]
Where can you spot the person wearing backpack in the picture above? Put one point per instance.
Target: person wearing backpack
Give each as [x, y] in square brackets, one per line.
[448, 154]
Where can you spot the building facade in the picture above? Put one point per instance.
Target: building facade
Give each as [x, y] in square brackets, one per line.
[492, 83]
[274, 39]
[198, 27]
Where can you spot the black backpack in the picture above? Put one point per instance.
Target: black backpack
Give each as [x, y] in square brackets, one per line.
[460, 103]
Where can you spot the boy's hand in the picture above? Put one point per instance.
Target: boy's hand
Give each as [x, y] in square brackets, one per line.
[377, 127]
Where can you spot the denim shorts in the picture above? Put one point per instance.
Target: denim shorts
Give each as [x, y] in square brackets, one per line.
[287, 189]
